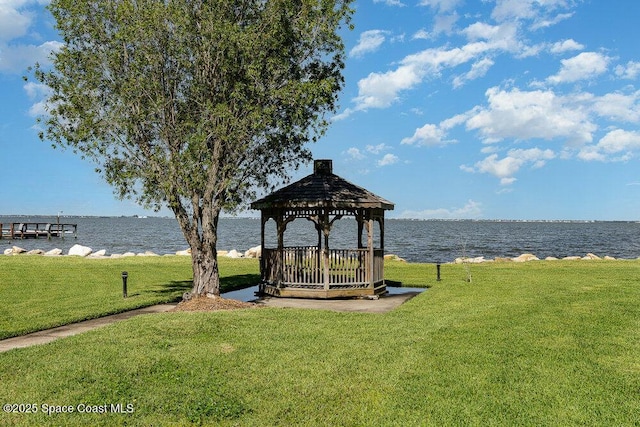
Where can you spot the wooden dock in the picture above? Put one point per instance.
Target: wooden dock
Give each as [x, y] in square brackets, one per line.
[35, 230]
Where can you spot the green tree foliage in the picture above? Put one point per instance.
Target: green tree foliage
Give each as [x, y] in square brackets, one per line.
[194, 104]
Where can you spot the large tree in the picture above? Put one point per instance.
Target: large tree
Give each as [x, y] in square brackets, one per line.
[194, 104]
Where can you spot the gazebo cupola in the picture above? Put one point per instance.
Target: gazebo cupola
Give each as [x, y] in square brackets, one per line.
[321, 271]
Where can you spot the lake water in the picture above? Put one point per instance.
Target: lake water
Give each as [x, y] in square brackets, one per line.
[415, 241]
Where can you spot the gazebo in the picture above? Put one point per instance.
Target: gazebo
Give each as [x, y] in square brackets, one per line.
[319, 271]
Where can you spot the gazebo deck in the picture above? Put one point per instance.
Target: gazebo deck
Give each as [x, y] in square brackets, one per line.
[292, 270]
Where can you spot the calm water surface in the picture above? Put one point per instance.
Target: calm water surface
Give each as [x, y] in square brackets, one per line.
[416, 241]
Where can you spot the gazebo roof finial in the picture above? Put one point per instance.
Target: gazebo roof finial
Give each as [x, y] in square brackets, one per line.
[323, 166]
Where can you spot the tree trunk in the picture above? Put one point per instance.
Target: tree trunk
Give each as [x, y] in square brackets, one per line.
[201, 233]
[206, 277]
[204, 256]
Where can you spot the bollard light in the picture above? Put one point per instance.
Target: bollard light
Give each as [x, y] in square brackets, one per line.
[125, 275]
[438, 271]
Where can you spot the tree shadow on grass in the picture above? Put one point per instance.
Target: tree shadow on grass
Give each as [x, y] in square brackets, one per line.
[239, 281]
[173, 290]
[227, 284]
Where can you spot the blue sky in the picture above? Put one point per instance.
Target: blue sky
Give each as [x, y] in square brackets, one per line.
[486, 109]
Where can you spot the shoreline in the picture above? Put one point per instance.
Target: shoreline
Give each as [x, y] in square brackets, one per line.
[255, 253]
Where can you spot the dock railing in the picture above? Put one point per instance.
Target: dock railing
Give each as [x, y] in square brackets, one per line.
[30, 230]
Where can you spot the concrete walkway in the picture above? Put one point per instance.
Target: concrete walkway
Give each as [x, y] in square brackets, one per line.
[48, 335]
[381, 305]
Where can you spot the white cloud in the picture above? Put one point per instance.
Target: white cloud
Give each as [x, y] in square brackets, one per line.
[565, 46]
[16, 58]
[528, 115]
[40, 108]
[388, 159]
[14, 19]
[591, 153]
[369, 42]
[427, 135]
[629, 71]
[456, 120]
[574, 120]
[432, 135]
[507, 167]
[503, 37]
[442, 24]
[618, 106]
[552, 20]
[421, 34]
[512, 9]
[530, 50]
[441, 5]
[582, 67]
[355, 153]
[36, 90]
[377, 149]
[344, 115]
[535, 156]
[524, 115]
[39, 93]
[390, 2]
[620, 140]
[471, 210]
[381, 90]
[542, 13]
[445, 23]
[358, 154]
[481, 31]
[478, 69]
[616, 145]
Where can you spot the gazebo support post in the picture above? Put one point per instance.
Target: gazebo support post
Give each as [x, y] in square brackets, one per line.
[381, 222]
[280, 226]
[319, 257]
[360, 220]
[371, 277]
[326, 230]
[263, 221]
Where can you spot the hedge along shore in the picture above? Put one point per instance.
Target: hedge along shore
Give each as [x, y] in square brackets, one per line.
[255, 252]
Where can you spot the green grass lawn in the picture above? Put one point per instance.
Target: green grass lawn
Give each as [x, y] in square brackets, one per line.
[541, 343]
[42, 292]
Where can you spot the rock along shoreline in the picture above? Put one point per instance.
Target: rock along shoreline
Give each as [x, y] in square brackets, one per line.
[255, 252]
[87, 252]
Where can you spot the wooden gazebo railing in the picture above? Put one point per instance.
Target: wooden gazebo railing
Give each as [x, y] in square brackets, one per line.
[303, 267]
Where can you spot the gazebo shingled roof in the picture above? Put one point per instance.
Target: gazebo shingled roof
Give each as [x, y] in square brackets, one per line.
[322, 189]
[320, 271]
